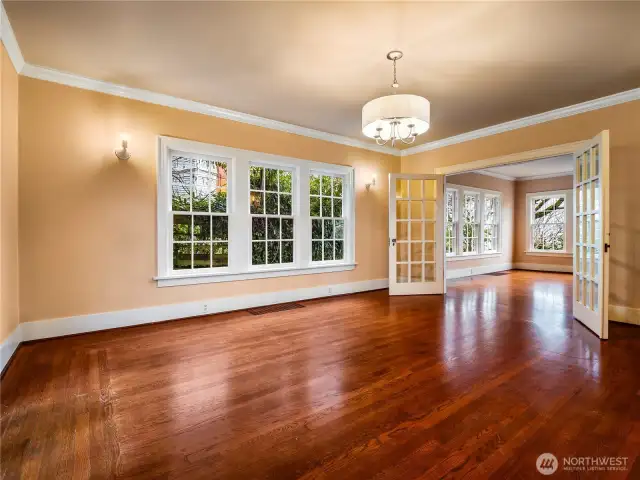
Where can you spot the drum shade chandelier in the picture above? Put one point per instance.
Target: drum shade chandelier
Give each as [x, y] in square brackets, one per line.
[396, 117]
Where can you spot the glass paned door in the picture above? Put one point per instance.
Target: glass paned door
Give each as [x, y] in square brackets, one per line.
[591, 224]
[416, 229]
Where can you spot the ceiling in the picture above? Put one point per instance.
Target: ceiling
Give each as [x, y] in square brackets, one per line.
[316, 64]
[534, 168]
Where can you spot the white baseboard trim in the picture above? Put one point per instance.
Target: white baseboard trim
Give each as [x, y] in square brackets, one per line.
[467, 272]
[9, 346]
[542, 267]
[125, 318]
[618, 313]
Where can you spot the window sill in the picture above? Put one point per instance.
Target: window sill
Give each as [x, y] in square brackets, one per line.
[475, 256]
[198, 278]
[548, 254]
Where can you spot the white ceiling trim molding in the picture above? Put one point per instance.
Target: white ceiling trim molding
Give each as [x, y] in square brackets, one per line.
[598, 103]
[548, 175]
[72, 80]
[9, 40]
[495, 175]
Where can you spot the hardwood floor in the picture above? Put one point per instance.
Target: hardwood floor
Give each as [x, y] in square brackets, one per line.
[476, 384]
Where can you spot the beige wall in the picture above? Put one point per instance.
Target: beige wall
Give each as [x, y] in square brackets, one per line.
[88, 221]
[506, 187]
[622, 121]
[520, 231]
[9, 305]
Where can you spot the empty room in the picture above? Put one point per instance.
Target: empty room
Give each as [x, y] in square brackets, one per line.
[341, 240]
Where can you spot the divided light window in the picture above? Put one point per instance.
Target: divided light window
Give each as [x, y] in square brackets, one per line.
[471, 225]
[226, 214]
[199, 212]
[547, 225]
[451, 222]
[491, 223]
[326, 195]
[271, 208]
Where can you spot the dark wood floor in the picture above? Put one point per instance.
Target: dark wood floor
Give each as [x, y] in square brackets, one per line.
[476, 384]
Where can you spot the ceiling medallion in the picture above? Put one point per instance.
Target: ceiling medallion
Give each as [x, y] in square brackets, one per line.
[396, 117]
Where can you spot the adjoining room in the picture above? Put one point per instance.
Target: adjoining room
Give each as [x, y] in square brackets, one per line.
[341, 240]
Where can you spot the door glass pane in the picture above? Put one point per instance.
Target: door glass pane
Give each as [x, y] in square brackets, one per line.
[416, 251]
[430, 210]
[429, 252]
[596, 160]
[416, 210]
[402, 209]
[416, 272]
[579, 206]
[587, 165]
[588, 187]
[595, 297]
[589, 233]
[429, 272]
[402, 252]
[596, 195]
[596, 228]
[429, 231]
[596, 262]
[579, 288]
[402, 231]
[401, 188]
[416, 230]
[578, 259]
[586, 294]
[584, 260]
[587, 270]
[402, 273]
[429, 190]
[415, 188]
[579, 168]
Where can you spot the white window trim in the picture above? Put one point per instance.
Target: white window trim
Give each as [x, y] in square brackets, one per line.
[568, 227]
[239, 238]
[481, 192]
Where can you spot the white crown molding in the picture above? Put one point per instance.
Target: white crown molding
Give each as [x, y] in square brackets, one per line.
[72, 80]
[598, 103]
[9, 40]
[495, 175]
[541, 177]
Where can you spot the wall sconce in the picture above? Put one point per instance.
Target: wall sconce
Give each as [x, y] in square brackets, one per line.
[123, 153]
[370, 184]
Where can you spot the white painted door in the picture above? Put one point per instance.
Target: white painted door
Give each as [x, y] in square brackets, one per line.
[591, 227]
[416, 234]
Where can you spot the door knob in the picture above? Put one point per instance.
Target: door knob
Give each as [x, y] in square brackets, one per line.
[392, 242]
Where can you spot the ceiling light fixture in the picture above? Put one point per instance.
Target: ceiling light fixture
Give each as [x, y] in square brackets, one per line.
[396, 117]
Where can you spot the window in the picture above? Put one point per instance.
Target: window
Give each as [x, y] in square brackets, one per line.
[199, 212]
[547, 222]
[226, 214]
[451, 222]
[491, 227]
[327, 222]
[272, 222]
[471, 225]
[472, 221]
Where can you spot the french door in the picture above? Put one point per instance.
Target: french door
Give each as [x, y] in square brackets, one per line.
[416, 234]
[591, 223]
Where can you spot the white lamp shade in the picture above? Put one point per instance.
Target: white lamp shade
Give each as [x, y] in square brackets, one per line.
[406, 109]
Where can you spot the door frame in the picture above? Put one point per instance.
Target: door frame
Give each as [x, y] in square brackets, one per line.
[513, 158]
